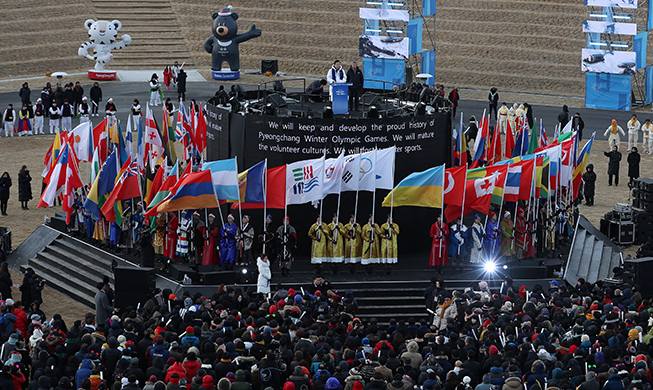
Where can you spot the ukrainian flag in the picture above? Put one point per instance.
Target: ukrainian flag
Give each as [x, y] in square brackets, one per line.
[423, 189]
[250, 184]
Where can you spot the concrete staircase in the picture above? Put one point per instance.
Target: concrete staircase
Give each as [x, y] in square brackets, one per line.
[155, 32]
[592, 255]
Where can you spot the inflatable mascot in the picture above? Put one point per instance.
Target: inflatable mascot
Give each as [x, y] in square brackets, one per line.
[102, 35]
[223, 44]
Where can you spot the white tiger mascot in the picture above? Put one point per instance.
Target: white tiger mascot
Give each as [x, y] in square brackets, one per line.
[102, 34]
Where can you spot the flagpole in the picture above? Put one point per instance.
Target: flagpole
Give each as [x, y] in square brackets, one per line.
[265, 202]
[338, 210]
[373, 202]
[240, 212]
[88, 163]
[462, 210]
[351, 249]
[392, 201]
[442, 209]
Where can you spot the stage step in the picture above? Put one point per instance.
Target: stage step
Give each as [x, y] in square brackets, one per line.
[592, 255]
[74, 267]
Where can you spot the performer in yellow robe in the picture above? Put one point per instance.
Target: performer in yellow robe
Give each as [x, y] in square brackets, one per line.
[336, 245]
[319, 234]
[371, 245]
[507, 236]
[389, 233]
[353, 243]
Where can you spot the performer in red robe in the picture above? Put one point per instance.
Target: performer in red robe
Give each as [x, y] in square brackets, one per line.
[439, 252]
[211, 235]
[171, 235]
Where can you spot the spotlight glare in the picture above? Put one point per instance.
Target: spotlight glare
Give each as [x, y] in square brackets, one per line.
[244, 271]
[490, 266]
[505, 266]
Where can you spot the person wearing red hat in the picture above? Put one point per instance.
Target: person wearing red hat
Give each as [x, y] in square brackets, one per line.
[439, 251]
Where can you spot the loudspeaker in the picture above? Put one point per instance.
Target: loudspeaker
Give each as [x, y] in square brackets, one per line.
[58, 224]
[636, 203]
[220, 277]
[207, 268]
[177, 272]
[133, 285]
[269, 66]
[622, 232]
[276, 100]
[645, 205]
[645, 196]
[645, 184]
[637, 272]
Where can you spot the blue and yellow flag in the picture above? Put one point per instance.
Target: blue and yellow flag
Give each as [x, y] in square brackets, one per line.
[250, 184]
[423, 189]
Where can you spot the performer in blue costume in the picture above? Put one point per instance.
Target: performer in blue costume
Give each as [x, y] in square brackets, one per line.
[492, 237]
[228, 243]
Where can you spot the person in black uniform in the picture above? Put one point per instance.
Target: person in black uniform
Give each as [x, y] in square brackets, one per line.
[355, 77]
[315, 90]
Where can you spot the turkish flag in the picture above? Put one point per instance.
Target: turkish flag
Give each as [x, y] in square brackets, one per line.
[454, 185]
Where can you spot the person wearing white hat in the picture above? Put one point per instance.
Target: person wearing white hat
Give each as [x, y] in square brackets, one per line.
[228, 243]
[39, 114]
[84, 110]
[110, 109]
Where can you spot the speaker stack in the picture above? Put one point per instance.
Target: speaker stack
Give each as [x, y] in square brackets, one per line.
[637, 272]
[642, 193]
[133, 285]
[618, 225]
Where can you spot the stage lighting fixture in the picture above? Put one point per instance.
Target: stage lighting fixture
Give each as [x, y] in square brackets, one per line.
[278, 86]
[505, 266]
[242, 274]
[420, 109]
[327, 113]
[223, 97]
[490, 266]
[270, 110]
[373, 113]
[235, 104]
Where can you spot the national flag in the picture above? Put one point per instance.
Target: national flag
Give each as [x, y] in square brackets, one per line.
[480, 193]
[200, 132]
[98, 131]
[129, 144]
[164, 190]
[422, 189]
[581, 164]
[501, 170]
[56, 148]
[81, 140]
[496, 145]
[195, 191]
[56, 178]
[251, 184]
[520, 174]
[96, 165]
[125, 187]
[510, 142]
[188, 134]
[102, 186]
[556, 133]
[480, 144]
[154, 149]
[565, 136]
[553, 152]
[544, 141]
[122, 149]
[305, 181]
[140, 146]
[463, 141]
[332, 174]
[454, 185]
[169, 137]
[225, 179]
[275, 190]
[73, 181]
[567, 161]
[350, 172]
[541, 177]
[149, 177]
[535, 143]
[155, 184]
[457, 143]
[113, 134]
[567, 128]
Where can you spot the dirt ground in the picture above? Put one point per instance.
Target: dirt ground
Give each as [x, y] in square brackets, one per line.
[14, 152]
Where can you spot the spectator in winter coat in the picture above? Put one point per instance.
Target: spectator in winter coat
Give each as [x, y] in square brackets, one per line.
[376, 383]
[191, 365]
[85, 370]
[590, 382]
[633, 165]
[589, 178]
[300, 379]
[614, 381]
[413, 354]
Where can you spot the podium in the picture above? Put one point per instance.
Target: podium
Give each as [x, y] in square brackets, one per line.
[340, 98]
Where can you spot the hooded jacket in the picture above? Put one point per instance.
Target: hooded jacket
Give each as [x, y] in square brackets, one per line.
[85, 370]
[412, 352]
